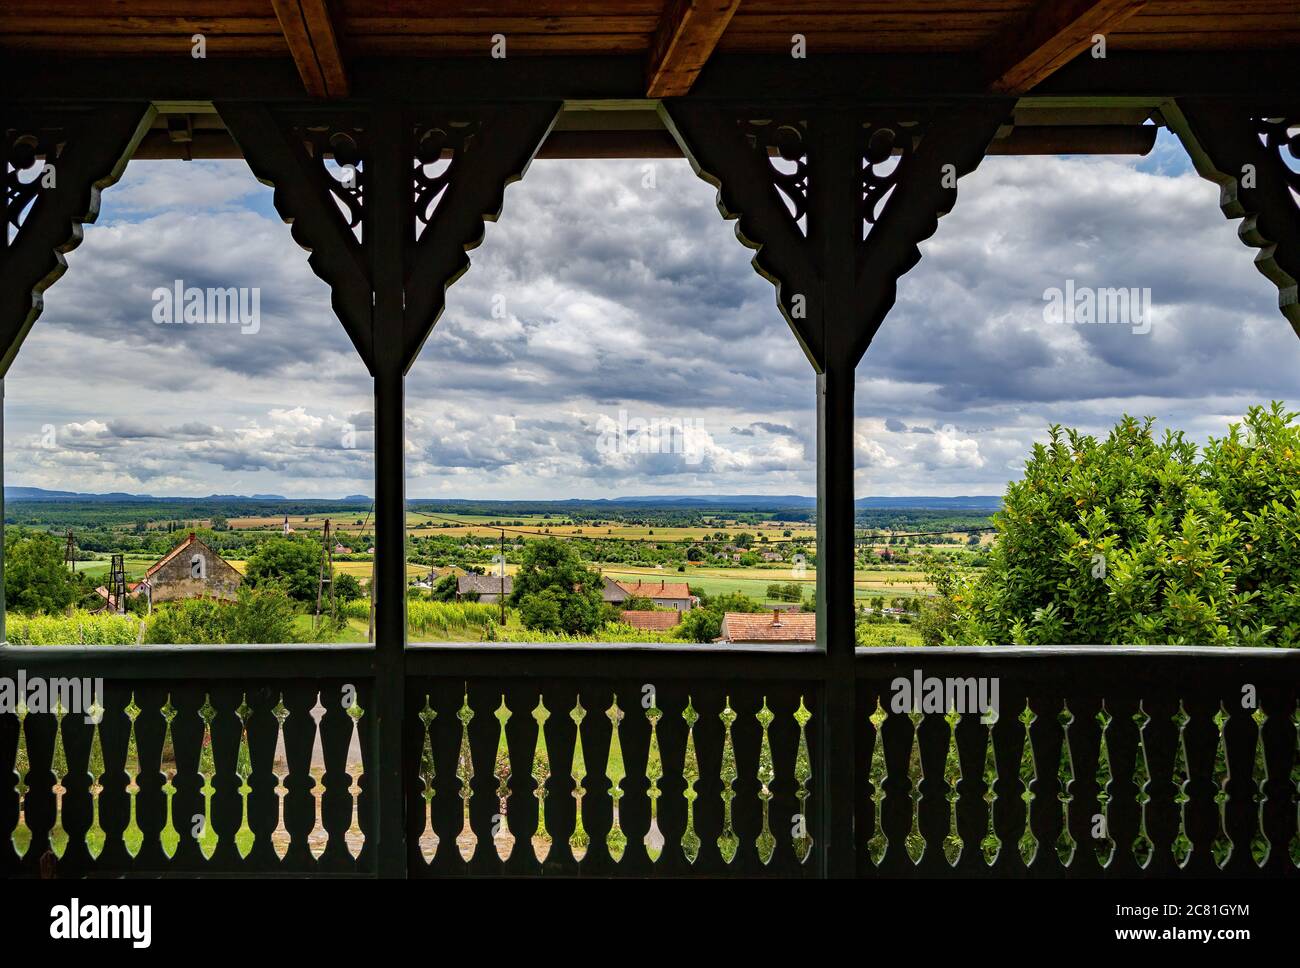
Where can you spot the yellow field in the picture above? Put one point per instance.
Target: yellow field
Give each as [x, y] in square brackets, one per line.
[477, 525]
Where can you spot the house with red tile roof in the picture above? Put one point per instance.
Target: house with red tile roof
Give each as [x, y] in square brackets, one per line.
[665, 594]
[769, 627]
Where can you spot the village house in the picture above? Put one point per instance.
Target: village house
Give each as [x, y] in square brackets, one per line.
[775, 627]
[664, 594]
[487, 588]
[190, 570]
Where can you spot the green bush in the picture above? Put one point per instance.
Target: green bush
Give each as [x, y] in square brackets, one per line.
[1134, 539]
[261, 616]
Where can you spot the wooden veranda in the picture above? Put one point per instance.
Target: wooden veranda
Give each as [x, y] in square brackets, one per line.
[837, 134]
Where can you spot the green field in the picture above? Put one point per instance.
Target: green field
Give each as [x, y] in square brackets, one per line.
[754, 581]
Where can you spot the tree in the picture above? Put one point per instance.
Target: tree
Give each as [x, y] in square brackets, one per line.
[704, 624]
[36, 578]
[575, 591]
[292, 563]
[347, 587]
[1134, 539]
[444, 590]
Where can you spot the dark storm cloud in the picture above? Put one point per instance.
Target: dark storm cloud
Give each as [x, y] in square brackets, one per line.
[612, 290]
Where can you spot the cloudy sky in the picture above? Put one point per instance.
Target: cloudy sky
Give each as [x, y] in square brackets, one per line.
[601, 301]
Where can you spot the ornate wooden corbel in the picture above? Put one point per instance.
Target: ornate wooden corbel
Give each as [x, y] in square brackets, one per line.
[1245, 149]
[462, 163]
[54, 161]
[324, 164]
[834, 200]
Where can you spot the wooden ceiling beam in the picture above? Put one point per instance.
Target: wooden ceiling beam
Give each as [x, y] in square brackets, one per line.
[687, 34]
[309, 31]
[1055, 32]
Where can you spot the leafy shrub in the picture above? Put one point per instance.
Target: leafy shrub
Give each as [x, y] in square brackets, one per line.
[260, 616]
[1137, 540]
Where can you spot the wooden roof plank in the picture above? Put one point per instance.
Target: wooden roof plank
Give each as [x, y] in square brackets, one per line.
[1055, 32]
[687, 35]
[314, 46]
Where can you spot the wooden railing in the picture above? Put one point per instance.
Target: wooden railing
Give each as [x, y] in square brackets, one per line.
[693, 761]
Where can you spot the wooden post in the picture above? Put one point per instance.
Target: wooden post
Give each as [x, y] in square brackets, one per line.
[834, 234]
[386, 228]
[835, 284]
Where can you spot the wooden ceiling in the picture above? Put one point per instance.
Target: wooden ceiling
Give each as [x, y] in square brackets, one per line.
[1022, 41]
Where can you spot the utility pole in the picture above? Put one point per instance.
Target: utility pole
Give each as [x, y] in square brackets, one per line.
[117, 582]
[326, 574]
[502, 598]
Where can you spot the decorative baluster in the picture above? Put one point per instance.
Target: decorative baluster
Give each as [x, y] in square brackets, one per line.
[1143, 848]
[280, 837]
[22, 835]
[991, 844]
[59, 767]
[1028, 777]
[878, 774]
[914, 842]
[169, 838]
[502, 838]
[578, 841]
[541, 773]
[952, 844]
[1260, 845]
[1182, 845]
[1105, 848]
[319, 837]
[1065, 842]
[428, 838]
[728, 842]
[691, 775]
[1221, 846]
[95, 838]
[616, 840]
[132, 836]
[802, 841]
[355, 837]
[765, 842]
[1295, 781]
[466, 840]
[244, 836]
[208, 771]
[654, 771]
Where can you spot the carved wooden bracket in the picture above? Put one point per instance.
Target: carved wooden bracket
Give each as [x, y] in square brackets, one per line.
[1253, 155]
[54, 162]
[834, 200]
[448, 167]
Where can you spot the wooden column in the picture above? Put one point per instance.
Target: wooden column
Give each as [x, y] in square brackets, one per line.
[387, 227]
[834, 235]
[834, 198]
[388, 289]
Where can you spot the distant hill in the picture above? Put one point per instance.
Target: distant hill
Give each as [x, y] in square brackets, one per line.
[752, 502]
[41, 494]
